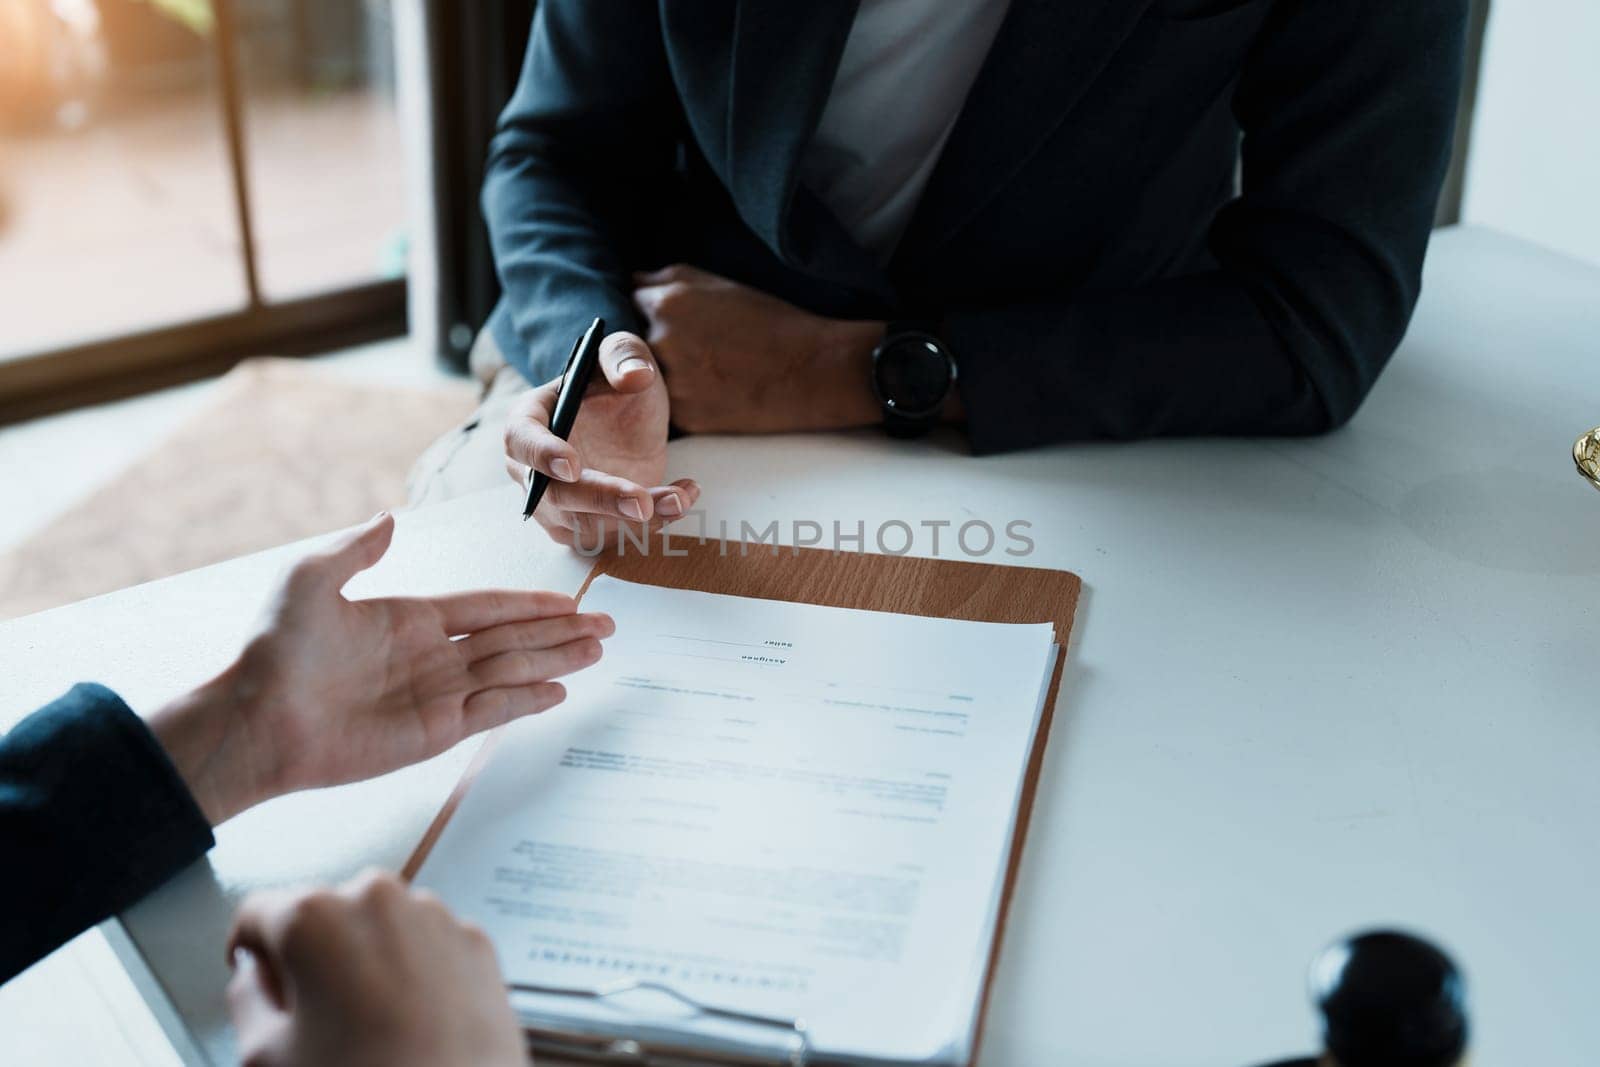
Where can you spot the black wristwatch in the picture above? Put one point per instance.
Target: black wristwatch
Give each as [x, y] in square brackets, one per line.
[912, 376]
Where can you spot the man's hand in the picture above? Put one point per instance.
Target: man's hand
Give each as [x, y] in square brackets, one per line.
[740, 361]
[609, 473]
[369, 975]
[333, 690]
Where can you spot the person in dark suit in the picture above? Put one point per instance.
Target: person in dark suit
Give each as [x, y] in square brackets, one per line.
[1045, 221]
[99, 808]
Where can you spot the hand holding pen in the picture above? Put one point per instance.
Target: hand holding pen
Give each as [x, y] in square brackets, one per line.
[610, 469]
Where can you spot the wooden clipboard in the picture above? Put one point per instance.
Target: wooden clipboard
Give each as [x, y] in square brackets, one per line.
[941, 588]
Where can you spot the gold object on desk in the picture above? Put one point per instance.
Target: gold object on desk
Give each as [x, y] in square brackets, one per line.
[1586, 454]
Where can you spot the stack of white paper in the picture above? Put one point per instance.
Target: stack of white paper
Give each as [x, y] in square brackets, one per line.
[796, 811]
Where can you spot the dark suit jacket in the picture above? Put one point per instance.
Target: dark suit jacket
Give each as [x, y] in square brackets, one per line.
[1080, 242]
[93, 816]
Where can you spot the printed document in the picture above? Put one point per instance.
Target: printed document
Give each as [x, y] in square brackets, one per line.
[795, 811]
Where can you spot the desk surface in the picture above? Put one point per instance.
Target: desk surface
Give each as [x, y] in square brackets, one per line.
[1315, 685]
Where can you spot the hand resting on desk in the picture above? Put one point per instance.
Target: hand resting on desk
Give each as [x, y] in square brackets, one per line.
[371, 973]
[738, 360]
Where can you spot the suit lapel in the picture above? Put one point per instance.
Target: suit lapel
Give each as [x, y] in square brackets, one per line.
[754, 77]
[771, 82]
[1046, 54]
[784, 59]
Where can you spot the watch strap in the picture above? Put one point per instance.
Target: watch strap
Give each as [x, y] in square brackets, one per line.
[897, 425]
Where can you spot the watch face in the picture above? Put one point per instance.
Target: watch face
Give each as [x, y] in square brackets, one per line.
[913, 375]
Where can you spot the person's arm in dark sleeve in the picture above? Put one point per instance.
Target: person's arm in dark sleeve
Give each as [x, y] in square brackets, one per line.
[1347, 112]
[93, 816]
[580, 152]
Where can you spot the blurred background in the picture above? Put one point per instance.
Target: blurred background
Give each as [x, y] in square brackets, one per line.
[187, 182]
[159, 168]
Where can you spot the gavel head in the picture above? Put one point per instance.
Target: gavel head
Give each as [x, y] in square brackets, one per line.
[1586, 454]
[1389, 999]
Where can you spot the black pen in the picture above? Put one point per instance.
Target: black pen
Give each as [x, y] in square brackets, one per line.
[574, 383]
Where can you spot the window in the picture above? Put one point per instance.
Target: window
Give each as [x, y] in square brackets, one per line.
[185, 181]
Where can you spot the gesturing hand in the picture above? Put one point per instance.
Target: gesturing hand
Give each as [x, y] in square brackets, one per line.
[609, 472]
[368, 975]
[333, 690]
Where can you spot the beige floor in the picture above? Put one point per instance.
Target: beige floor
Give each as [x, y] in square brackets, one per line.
[78, 1006]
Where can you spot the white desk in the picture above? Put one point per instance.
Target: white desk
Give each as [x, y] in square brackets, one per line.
[1315, 685]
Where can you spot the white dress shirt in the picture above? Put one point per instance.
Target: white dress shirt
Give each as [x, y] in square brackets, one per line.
[904, 76]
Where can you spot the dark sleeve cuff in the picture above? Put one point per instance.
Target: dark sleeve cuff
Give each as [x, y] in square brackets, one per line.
[537, 343]
[93, 816]
[1190, 355]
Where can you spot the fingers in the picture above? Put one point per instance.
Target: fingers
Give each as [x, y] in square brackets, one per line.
[538, 634]
[607, 496]
[467, 613]
[658, 294]
[649, 299]
[675, 272]
[260, 1019]
[677, 499]
[353, 553]
[559, 533]
[644, 279]
[384, 974]
[495, 707]
[375, 889]
[627, 362]
[260, 929]
[530, 443]
[628, 366]
[516, 469]
[668, 502]
[595, 493]
[592, 529]
[519, 667]
[591, 533]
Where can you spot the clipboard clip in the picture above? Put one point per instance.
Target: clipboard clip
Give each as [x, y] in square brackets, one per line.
[573, 1044]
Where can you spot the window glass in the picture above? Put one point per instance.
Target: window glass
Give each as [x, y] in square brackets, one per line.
[323, 144]
[116, 203]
